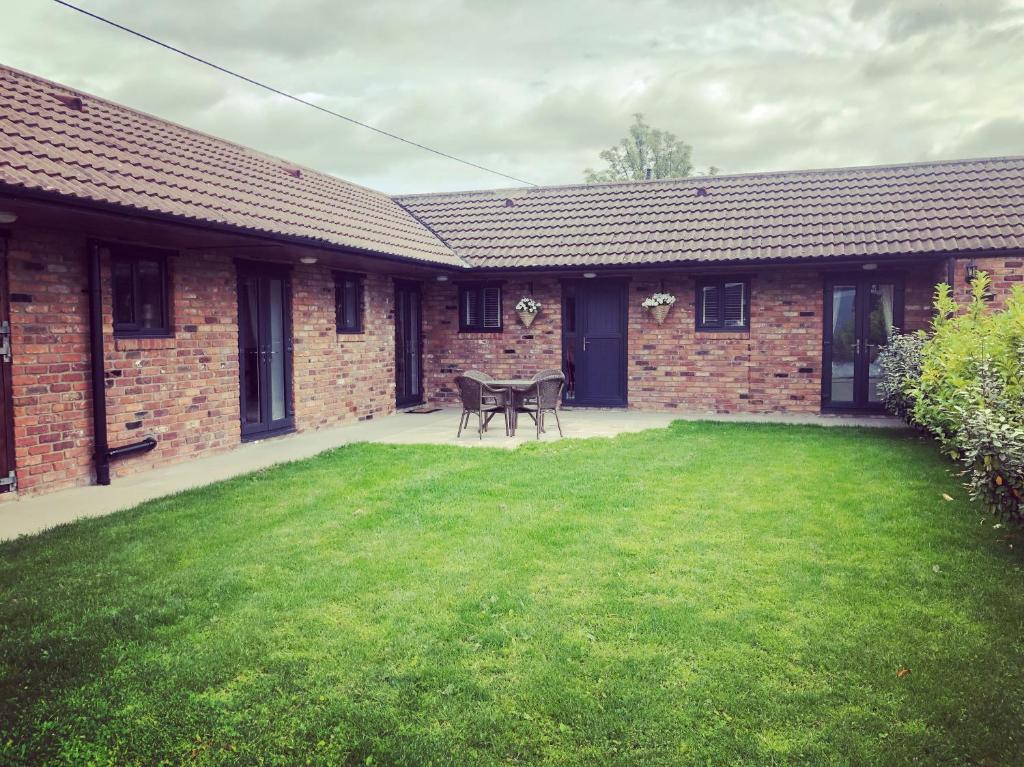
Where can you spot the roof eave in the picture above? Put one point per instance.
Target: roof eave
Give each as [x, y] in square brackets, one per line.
[56, 198]
[901, 258]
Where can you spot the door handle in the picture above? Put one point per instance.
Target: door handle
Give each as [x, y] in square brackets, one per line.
[585, 339]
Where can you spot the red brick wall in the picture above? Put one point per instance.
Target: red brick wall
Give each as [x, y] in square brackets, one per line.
[182, 390]
[341, 377]
[50, 361]
[516, 351]
[1006, 274]
[774, 367]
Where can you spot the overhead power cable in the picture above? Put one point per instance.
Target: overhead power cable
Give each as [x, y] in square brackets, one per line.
[287, 95]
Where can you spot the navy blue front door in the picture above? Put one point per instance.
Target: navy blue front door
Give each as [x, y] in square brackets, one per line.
[599, 351]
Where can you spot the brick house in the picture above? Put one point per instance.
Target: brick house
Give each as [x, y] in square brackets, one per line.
[167, 294]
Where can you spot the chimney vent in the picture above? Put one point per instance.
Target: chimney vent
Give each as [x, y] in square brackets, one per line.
[295, 172]
[702, 192]
[71, 102]
[509, 202]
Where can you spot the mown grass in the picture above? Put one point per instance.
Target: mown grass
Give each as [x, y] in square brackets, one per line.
[708, 594]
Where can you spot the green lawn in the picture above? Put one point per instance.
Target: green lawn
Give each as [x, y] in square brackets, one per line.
[716, 594]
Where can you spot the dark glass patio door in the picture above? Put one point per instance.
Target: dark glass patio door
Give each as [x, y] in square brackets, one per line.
[594, 342]
[265, 350]
[408, 345]
[860, 313]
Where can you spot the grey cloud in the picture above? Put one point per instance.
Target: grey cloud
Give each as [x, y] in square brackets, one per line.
[537, 88]
[1001, 136]
[907, 18]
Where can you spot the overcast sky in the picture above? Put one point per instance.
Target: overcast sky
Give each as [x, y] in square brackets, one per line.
[537, 89]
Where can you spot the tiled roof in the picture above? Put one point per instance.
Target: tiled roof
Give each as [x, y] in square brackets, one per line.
[79, 147]
[66, 143]
[939, 207]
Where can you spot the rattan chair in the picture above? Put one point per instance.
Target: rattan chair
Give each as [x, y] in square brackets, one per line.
[543, 396]
[478, 397]
[547, 373]
[528, 397]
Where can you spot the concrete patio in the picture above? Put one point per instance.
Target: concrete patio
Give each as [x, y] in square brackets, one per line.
[32, 515]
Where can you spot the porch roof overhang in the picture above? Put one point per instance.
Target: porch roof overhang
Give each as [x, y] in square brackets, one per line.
[108, 221]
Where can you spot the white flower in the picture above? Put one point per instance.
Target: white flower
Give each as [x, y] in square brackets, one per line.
[659, 299]
[529, 305]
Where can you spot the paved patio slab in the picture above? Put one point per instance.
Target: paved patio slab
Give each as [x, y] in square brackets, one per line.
[32, 515]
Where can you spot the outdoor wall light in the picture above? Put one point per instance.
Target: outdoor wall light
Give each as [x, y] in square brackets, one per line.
[870, 267]
[308, 259]
[442, 278]
[6, 217]
[589, 275]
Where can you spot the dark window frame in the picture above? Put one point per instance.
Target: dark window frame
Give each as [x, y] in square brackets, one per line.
[340, 327]
[719, 326]
[479, 289]
[132, 255]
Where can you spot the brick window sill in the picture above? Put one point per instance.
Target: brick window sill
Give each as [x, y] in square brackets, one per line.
[137, 344]
[718, 335]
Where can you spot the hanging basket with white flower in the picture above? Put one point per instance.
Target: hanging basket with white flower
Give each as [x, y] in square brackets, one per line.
[659, 305]
[528, 309]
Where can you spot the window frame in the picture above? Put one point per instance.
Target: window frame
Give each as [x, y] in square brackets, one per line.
[359, 279]
[479, 289]
[132, 255]
[720, 326]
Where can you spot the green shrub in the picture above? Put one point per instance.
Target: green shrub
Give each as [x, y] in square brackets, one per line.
[965, 384]
[962, 345]
[993, 451]
[900, 364]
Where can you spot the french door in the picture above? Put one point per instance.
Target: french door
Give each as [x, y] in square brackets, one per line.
[860, 313]
[265, 350]
[594, 342]
[408, 345]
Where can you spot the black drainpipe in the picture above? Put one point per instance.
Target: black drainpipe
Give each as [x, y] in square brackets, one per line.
[101, 453]
[101, 450]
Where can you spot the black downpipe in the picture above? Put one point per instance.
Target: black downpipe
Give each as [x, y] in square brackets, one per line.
[101, 453]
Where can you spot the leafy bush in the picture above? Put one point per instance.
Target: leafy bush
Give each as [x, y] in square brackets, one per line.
[965, 384]
[964, 345]
[900, 363]
[993, 451]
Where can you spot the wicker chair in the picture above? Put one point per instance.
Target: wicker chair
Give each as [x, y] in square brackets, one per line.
[547, 373]
[525, 401]
[543, 396]
[476, 375]
[478, 397]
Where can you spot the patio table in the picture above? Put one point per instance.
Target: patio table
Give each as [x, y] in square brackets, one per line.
[511, 385]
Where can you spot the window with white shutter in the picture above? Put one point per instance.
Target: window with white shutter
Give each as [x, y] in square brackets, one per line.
[710, 304]
[723, 304]
[734, 310]
[480, 309]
